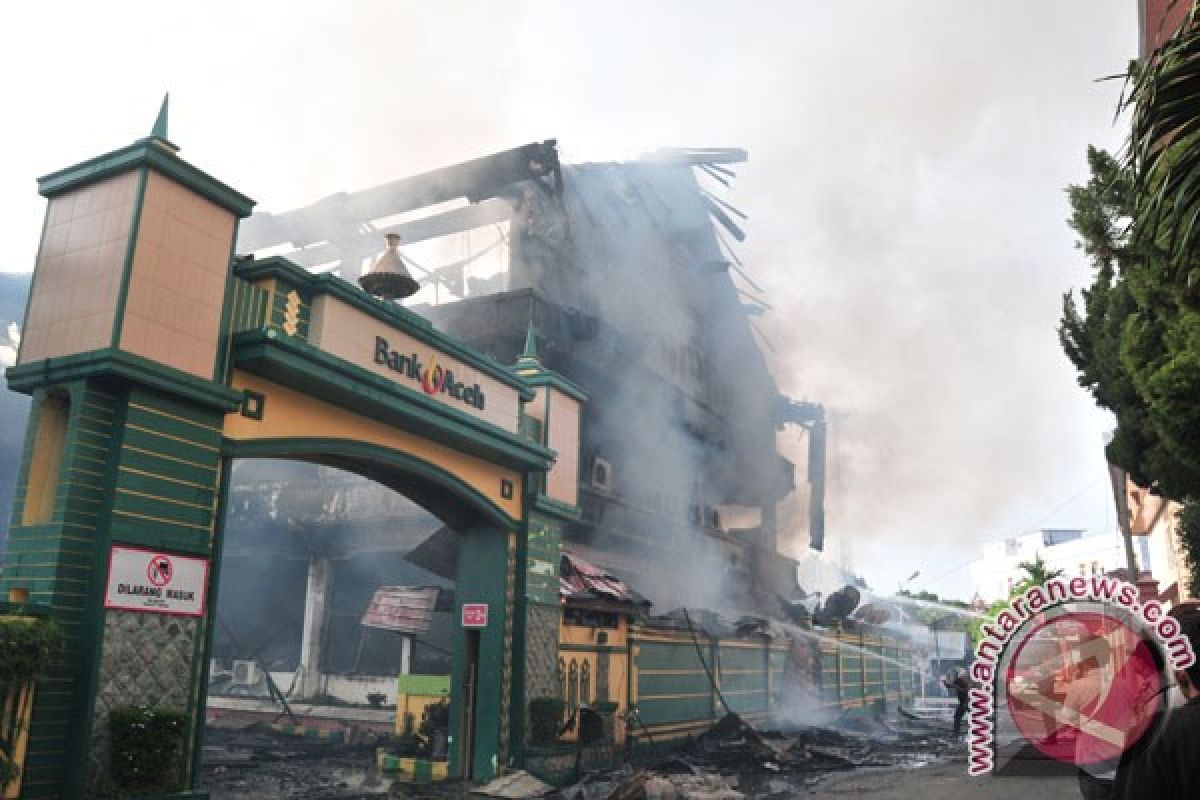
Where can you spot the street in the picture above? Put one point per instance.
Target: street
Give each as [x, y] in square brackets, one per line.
[944, 782]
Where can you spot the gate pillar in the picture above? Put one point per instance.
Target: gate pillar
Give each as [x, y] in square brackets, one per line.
[119, 494]
[552, 419]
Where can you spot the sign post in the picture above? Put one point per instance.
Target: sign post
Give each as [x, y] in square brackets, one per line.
[475, 615]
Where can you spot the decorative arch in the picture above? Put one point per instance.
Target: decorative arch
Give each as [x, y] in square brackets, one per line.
[438, 490]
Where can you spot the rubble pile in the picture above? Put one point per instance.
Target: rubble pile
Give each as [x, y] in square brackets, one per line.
[730, 761]
[733, 761]
[257, 762]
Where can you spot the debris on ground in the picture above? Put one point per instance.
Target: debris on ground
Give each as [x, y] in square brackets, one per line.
[732, 740]
[262, 762]
[515, 786]
[732, 760]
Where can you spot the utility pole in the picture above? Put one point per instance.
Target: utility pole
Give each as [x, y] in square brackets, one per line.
[1119, 479]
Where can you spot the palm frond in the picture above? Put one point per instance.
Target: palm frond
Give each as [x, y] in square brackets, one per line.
[1164, 143]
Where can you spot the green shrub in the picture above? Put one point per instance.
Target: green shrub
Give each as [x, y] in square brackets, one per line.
[147, 748]
[545, 717]
[28, 647]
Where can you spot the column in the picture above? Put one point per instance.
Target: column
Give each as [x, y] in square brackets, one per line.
[316, 593]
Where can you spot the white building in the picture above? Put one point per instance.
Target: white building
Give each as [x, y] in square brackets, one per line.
[1074, 551]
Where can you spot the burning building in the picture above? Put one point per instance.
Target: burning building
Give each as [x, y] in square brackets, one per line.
[594, 383]
[622, 277]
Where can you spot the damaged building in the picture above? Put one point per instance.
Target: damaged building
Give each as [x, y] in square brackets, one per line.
[540, 494]
[621, 277]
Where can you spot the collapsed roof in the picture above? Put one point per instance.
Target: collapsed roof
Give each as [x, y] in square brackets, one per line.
[630, 271]
[581, 583]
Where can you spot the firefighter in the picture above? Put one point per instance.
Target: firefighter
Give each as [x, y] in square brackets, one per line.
[957, 683]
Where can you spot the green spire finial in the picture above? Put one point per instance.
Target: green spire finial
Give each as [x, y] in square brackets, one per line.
[160, 124]
[530, 351]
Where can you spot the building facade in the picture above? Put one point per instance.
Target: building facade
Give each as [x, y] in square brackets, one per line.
[1074, 551]
[627, 275]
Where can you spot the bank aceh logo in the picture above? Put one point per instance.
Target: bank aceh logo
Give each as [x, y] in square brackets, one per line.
[434, 378]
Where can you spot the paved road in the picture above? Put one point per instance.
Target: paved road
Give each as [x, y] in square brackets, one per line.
[945, 782]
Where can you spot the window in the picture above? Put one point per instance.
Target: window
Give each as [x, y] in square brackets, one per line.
[572, 697]
[590, 619]
[601, 474]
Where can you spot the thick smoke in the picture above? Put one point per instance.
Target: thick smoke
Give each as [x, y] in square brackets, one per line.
[641, 258]
[904, 189]
[282, 514]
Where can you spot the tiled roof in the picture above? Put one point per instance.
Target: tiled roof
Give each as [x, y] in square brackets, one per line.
[580, 580]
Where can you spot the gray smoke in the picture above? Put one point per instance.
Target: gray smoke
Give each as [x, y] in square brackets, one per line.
[905, 180]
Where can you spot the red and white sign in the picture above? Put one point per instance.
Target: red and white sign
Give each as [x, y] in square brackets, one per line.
[151, 581]
[474, 615]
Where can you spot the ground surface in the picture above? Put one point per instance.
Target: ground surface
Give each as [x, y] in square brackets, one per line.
[261, 765]
[932, 782]
[943, 782]
[917, 763]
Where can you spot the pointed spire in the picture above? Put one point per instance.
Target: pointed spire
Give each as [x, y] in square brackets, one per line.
[530, 351]
[158, 134]
[159, 131]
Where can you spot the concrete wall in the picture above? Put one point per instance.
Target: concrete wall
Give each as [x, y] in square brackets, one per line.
[346, 688]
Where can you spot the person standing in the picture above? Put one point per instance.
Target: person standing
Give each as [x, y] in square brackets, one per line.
[1167, 767]
[960, 686]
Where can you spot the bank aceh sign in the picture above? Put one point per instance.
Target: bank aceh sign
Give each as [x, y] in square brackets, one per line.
[155, 582]
[434, 379]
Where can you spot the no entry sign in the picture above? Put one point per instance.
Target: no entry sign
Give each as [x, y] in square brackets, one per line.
[150, 581]
[474, 615]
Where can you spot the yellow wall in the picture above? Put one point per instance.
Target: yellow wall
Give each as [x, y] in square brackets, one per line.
[413, 705]
[289, 415]
[45, 463]
[580, 636]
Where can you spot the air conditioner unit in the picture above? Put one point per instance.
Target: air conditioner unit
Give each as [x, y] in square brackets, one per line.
[712, 517]
[245, 673]
[601, 474]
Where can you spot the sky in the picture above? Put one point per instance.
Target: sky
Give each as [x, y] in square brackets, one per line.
[904, 188]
